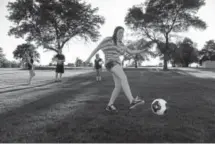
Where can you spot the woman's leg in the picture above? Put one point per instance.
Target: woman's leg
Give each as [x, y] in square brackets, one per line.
[30, 76]
[97, 74]
[118, 71]
[56, 76]
[62, 72]
[116, 90]
[120, 74]
[60, 79]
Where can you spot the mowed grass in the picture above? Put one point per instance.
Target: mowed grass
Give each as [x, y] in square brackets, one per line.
[74, 111]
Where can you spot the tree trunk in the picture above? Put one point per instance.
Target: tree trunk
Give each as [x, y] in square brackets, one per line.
[165, 68]
[173, 64]
[186, 64]
[135, 63]
[135, 60]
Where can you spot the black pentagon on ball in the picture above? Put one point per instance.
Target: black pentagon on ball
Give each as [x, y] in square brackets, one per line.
[156, 106]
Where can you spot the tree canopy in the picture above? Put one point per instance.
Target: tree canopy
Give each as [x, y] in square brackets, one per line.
[186, 53]
[208, 51]
[19, 52]
[157, 19]
[52, 23]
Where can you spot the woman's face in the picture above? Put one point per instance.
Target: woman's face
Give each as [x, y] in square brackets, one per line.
[120, 34]
[97, 56]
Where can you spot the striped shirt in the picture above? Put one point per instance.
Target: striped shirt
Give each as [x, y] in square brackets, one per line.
[111, 51]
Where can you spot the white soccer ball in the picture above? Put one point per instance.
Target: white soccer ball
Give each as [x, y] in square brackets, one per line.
[159, 107]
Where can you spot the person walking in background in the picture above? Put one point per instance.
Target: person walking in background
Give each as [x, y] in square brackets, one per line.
[30, 65]
[60, 59]
[98, 66]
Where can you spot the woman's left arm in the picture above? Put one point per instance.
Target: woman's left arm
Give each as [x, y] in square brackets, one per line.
[126, 49]
[134, 51]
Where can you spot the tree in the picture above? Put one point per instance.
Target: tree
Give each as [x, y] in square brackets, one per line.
[139, 45]
[19, 52]
[15, 64]
[208, 51]
[172, 47]
[2, 57]
[157, 19]
[71, 65]
[78, 62]
[188, 52]
[175, 57]
[185, 53]
[52, 23]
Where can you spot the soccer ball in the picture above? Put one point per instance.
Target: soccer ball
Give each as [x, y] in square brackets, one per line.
[100, 63]
[159, 107]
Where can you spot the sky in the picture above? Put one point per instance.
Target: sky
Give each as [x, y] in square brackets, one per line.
[114, 12]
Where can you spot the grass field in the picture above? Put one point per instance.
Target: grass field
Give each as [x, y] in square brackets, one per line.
[73, 111]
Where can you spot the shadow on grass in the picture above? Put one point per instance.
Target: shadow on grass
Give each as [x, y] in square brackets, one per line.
[190, 118]
[90, 123]
[196, 73]
[25, 88]
[45, 83]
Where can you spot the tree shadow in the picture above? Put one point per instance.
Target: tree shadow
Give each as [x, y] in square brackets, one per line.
[196, 73]
[25, 88]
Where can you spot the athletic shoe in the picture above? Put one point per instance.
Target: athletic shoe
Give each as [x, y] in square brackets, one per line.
[111, 108]
[136, 102]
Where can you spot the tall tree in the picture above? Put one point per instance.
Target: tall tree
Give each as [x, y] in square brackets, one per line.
[19, 52]
[185, 53]
[208, 51]
[78, 62]
[188, 52]
[139, 45]
[2, 57]
[52, 23]
[157, 19]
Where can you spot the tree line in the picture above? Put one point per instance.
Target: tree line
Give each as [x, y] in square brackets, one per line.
[5, 63]
[51, 24]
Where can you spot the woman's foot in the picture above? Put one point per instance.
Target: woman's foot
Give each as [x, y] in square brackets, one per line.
[111, 108]
[136, 102]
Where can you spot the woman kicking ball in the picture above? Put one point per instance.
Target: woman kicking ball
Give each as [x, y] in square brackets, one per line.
[113, 48]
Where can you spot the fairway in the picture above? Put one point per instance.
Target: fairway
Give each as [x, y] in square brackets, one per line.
[74, 110]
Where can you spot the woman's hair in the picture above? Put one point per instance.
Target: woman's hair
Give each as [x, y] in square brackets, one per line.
[114, 37]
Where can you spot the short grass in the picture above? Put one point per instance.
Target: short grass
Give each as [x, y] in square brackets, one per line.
[73, 111]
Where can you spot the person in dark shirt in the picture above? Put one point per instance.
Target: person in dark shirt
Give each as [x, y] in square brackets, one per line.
[98, 66]
[60, 59]
[30, 66]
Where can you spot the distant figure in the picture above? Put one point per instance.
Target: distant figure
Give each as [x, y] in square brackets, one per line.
[98, 66]
[60, 59]
[30, 65]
